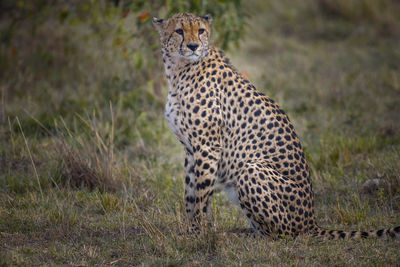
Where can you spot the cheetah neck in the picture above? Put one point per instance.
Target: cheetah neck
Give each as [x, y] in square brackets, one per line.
[174, 66]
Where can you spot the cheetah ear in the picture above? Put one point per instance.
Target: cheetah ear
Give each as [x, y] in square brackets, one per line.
[207, 18]
[158, 23]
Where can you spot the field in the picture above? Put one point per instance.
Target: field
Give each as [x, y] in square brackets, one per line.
[90, 174]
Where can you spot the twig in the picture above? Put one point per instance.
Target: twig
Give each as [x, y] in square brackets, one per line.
[111, 143]
[12, 136]
[30, 156]
[50, 133]
[3, 103]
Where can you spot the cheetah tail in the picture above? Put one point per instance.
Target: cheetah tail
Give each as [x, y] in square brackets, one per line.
[393, 232]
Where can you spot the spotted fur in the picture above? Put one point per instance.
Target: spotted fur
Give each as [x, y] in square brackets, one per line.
[236, 137]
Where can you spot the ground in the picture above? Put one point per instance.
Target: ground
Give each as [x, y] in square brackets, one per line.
[337, 79]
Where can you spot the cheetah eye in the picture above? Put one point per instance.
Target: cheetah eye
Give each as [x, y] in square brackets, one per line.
[179, 31]
[201, 31]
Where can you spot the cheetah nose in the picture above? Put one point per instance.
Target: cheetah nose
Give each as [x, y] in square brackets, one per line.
[192, 46]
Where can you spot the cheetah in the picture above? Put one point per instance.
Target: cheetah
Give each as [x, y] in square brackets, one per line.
[235, 137]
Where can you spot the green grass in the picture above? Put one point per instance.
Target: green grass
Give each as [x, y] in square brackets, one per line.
[105, 182]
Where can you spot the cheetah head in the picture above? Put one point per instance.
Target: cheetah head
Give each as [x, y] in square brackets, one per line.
[184, 36]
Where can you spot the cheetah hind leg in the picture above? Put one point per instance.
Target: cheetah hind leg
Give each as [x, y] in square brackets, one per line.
[258, 188]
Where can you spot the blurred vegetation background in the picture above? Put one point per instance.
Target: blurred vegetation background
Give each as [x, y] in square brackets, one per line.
[68, 63]
[87, 158]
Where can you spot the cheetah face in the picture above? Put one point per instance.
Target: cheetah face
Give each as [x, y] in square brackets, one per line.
[184, 36]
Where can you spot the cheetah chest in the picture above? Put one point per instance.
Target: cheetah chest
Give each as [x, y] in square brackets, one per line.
[173, 117]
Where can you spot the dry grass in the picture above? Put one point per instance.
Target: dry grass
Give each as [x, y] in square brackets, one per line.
[111, 175]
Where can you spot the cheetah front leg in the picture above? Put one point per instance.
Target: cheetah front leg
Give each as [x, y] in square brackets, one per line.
[190, 181]
[200, 167]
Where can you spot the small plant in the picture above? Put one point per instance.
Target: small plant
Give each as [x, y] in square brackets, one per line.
[62, 217]
[109, 202]
[350, 214]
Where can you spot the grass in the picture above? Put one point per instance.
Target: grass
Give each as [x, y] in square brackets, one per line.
[91, 175]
